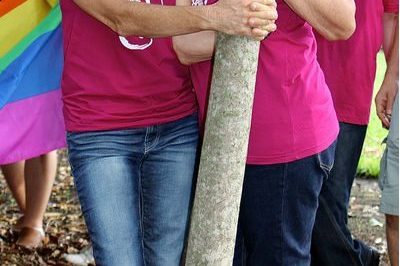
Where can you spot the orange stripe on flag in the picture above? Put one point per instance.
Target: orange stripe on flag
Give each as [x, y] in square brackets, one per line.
[8, 5]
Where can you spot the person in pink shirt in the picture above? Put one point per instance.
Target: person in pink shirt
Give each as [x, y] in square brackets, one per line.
[349, 68]
[293, 131]
[130, 113]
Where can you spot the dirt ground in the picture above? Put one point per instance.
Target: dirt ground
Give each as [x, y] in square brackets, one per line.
[66, 232]
[365, 220]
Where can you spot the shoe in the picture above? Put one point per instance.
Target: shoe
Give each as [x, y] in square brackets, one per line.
[31, 237]
[375, 257]
[83, 258]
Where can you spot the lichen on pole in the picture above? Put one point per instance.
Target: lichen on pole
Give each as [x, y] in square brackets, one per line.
[223, 157]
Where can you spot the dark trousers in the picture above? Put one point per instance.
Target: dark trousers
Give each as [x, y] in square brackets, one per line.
[277, 211]
[332, 243]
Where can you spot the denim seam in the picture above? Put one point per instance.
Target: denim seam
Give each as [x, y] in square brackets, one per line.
[326, 167]
[340, 234]
[282, 222]
[155, 141]
[141, 208]
[146, 138]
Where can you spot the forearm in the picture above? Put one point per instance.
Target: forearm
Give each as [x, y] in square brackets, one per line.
[194, 48]
[389, 30]
[197, 47]
[392, 59]
[387, 93]
[333, 19]
[141, 19]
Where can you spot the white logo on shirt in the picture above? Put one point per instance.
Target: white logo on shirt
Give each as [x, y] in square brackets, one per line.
[137, 43]
[199, 2]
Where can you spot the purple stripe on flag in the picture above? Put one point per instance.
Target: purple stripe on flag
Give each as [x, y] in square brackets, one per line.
[31, 127]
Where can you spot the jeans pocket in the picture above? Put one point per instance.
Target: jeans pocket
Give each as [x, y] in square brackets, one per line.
[326, 159]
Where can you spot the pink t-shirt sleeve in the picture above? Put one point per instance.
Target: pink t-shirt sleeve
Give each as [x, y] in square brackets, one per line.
[391, 6]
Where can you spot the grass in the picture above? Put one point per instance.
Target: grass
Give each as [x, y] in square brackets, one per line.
[373, 149]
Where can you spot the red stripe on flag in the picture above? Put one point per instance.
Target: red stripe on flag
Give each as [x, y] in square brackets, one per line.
[8, 5]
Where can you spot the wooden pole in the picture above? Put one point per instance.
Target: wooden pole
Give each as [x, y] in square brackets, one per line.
[223, 157]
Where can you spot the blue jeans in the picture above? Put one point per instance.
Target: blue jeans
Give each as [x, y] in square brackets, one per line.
[277, 211]
[134, 187]
[332, 243]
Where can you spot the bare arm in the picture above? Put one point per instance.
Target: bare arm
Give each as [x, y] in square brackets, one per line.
[386, 95]
[134, 18]
[333, 19]
[389, 29]
[195, 47]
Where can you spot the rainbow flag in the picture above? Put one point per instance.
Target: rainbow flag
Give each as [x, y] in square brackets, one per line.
[31, 61]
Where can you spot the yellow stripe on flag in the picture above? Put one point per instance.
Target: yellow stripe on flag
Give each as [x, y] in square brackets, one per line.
[52, 3]
[15, 25]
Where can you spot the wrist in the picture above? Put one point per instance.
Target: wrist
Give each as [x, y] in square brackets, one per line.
[210, 19]
[391, 77]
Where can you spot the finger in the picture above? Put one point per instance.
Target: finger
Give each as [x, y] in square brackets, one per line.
[389, 106]
[267, 14]
[379, 104]
[385, 121]
[383, 109]
[257, 32]
[258, 6]
[266, 29]
[266, 2]
[380, 110]
[389, 118]
[255, 22]
[270, 27]
[386, 125]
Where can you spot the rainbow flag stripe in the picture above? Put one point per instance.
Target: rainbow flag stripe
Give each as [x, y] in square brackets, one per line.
[31, 61]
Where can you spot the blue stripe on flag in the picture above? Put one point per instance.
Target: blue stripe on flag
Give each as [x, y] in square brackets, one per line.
[36, 71]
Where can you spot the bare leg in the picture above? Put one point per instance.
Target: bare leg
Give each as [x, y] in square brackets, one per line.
[39, 178]
[392, 235]
[14, 175]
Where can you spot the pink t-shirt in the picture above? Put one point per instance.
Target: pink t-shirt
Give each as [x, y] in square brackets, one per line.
[391, 6]
[110, 82]
[350, 66]
[293, 114]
